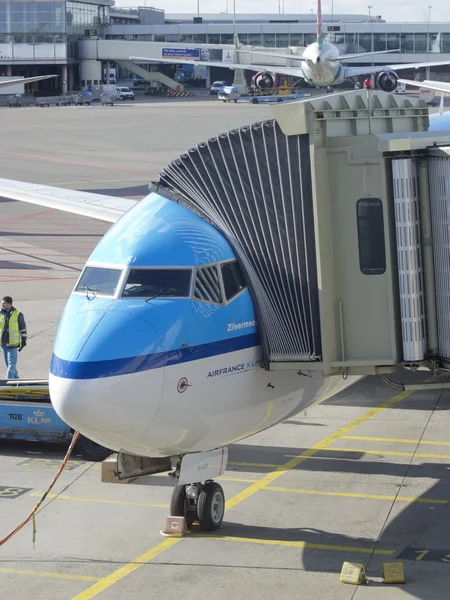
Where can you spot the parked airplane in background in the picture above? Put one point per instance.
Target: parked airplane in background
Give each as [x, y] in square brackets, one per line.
[439, 121]
[12, 82]
[320, 64]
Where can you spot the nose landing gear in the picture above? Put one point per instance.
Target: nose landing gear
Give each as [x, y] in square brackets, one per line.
[204, 502]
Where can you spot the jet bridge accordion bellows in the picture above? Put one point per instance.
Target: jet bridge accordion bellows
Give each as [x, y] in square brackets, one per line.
[254, 185]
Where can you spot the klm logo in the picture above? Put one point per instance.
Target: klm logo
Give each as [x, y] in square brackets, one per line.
[38, 418]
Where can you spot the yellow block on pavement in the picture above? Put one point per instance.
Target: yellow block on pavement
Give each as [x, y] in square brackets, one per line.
[353, 573]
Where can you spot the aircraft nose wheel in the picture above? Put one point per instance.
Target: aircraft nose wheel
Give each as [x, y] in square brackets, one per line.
[211, 506]
[207, 505]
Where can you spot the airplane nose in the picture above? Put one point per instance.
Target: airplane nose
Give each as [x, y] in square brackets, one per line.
[112, 391]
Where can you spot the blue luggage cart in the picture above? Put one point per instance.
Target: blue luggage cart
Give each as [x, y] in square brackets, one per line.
[26, 413]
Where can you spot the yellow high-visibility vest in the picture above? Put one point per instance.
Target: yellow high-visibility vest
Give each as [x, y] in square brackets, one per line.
[14, 333]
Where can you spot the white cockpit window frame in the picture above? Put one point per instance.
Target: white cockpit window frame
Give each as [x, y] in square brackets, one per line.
[101, 265]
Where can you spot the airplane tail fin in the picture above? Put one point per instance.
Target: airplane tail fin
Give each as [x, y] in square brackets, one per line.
[319, 22]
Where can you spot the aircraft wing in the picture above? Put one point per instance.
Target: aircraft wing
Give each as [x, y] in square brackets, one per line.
[343, 57]
[294, 71]
[25, 80]
[275, 54]
[436, 86]
[301, 58]
[96, 206]
[355, 71]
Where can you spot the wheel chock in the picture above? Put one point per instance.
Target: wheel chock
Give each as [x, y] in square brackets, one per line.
[353, 573]
[175, 527]
[393, 572]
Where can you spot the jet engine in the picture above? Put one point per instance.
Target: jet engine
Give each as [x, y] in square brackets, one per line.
[264, 80]
[387, 81]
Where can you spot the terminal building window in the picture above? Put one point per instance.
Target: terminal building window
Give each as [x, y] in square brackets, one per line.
[365, 41]
[254, 39]
[370, 223]
[434, 42]
[31, 18]
[296, 39]
[214, 38]
[420, 42]
[282, 40]
[445, 40]
[393, 41]
[268, 40]
[407, 43]
[379, 42]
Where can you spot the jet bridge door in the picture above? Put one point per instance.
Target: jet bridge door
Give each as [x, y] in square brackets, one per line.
[439, 185]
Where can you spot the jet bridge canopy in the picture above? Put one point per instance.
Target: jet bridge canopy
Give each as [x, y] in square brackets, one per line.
[254, 184]
[313, 204]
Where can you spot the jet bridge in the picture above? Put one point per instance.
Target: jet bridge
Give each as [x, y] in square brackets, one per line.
[339, 211]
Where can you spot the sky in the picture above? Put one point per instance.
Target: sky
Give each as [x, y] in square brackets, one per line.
[397, 10]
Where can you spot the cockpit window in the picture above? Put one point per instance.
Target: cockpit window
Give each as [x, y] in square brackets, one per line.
[207, 285]
[157, 283]
[99, 280]
[233, 279]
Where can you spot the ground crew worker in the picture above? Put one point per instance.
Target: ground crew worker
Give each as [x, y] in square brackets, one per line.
[13, 333]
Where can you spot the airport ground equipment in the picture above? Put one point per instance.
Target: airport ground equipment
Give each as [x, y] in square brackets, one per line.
[338, 211]
[106, 99]
[228, 93]
[14, 101]
[26, 413]
[277, 98]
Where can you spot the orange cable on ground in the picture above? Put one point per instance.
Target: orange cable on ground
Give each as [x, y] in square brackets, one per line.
[36, 508]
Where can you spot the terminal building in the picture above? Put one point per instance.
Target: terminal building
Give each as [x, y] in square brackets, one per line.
[80, 40]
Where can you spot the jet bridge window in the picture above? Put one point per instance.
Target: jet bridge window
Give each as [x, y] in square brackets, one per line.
[372, 252]
[233, 279]
[207, 285]
[167, 283]
[99, 280]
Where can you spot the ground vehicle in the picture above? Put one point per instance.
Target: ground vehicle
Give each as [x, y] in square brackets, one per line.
[138, 81]
[228, 93]
[400, 89]
[106, 99]
[124, 93]
[26, 413]
[83, 98]
[215, 87]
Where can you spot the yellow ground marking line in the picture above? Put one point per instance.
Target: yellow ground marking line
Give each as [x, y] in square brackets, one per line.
[49, 575]
[307, 545]
[109, 580]
[297, 460]
[391, 453]
[101, 500]
[395, 440]
[357, 495]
